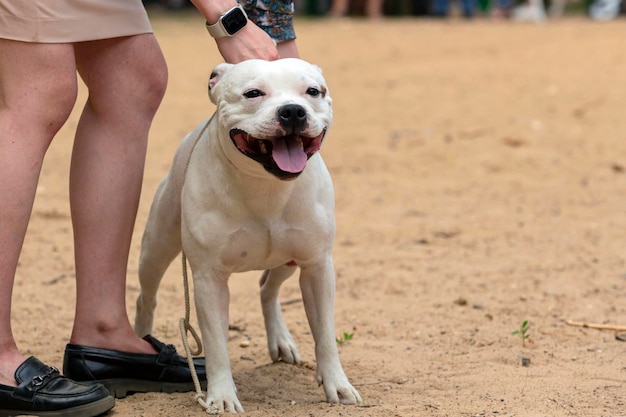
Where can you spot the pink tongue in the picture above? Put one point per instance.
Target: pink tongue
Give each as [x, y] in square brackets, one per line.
[288, 155]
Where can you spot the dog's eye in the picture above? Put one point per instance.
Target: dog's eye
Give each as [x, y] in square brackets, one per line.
[253, 93]
[313, 92]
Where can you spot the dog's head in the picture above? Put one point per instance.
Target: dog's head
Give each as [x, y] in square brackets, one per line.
[275, 112]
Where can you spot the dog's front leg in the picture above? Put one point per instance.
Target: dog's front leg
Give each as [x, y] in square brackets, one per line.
[318, 292]
[212, 298]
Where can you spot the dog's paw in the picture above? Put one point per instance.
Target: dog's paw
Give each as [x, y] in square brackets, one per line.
[221, 401]
[221, 406]
[283, 348]
[345, 394]
[338, 390]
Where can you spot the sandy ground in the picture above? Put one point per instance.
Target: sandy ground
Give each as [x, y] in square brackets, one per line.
[480, 179]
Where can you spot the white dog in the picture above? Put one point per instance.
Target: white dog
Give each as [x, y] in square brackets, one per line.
[248, 190]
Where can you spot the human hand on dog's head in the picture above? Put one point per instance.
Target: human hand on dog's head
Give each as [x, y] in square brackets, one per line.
[249, 43]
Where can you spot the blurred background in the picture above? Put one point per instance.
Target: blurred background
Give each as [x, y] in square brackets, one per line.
[530, 10]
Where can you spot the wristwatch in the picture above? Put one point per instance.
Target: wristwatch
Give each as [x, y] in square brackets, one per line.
[229, 23]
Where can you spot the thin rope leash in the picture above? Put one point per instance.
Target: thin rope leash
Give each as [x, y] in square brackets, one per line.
[184, 323]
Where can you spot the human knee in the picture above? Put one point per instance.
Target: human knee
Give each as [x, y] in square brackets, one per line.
[38, 85]
[123, 74]
[155, 79]
[147, 91]
[52, 104]
[59, 103]
[40, 107]
[153, 85]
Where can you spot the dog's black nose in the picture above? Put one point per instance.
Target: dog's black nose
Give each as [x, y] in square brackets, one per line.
[292, 116]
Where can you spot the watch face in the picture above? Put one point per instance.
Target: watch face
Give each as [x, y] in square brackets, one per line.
[234, 21]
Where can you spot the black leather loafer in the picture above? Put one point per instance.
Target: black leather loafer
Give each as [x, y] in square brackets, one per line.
[123, 373]
[44, 392]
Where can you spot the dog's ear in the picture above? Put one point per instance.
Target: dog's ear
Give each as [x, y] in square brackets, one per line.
[216, 76]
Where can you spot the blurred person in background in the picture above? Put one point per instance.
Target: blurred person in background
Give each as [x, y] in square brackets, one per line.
[110, 45]
[440, 8]
[341, 8]
[496, 9]
[605, 9]
[530, 10]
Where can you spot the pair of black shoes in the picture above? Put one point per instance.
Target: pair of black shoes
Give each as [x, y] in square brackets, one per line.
[93, 379]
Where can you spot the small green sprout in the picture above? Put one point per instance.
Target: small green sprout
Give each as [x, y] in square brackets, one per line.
[346, 337]
[165, 331]
[523, 332]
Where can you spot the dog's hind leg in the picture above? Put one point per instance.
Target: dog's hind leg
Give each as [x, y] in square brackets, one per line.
[160, 244]
[279, 341]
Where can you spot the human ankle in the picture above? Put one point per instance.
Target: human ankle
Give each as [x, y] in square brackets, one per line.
[119, 338]
[9, 362]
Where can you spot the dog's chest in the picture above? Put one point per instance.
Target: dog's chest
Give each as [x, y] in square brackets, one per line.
[253, 246]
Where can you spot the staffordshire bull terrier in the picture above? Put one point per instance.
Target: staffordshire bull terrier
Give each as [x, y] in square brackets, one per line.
[248, 190]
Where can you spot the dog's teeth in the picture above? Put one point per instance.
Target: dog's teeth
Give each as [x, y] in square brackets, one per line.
[262, 147]
[299, 142]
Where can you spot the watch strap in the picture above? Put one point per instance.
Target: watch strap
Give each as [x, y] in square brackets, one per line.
[217, 30]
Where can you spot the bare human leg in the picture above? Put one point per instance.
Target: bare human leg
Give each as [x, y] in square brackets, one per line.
[339, 8]
[126, 78]
[37, 93]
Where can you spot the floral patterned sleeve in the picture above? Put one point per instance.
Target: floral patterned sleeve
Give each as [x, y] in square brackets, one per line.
[273, 16]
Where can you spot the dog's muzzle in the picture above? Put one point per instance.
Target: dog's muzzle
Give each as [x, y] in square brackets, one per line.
[283, 156]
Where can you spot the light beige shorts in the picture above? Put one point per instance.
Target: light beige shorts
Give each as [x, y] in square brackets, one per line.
[63, 21]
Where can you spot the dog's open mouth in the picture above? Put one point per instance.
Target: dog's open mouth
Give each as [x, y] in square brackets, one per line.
[283, 156]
